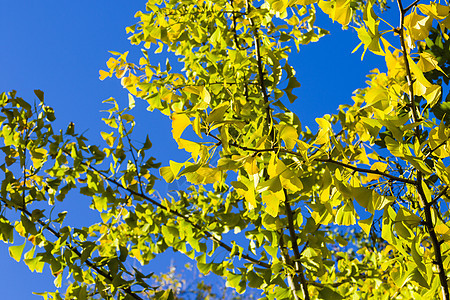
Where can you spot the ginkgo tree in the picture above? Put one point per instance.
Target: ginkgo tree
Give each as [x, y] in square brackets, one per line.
[358, 209]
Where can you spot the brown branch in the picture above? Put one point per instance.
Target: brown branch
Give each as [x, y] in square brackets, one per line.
[235, 35]
[435, 148]
[328, 160]
[419, 179]
[401, 32]
[259, 64]
[438, 196]
[369, 171]
[339, 283]
[136, 165]
[297, 254]
[434, 240]
[293, 284]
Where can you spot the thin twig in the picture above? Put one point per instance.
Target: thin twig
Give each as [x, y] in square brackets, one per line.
[411, 5]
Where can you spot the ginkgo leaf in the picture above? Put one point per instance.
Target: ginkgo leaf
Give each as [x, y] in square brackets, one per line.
[418, 26]
[435, 10]
[346, 215]
[104, 74]
[366, 225]
[16, 251]
[217, 113]
[179, 124]
[289, 136]
[292, 84]
[427, 62]
[170, 173]
[272, 201]
[339, 10]
[379, 166]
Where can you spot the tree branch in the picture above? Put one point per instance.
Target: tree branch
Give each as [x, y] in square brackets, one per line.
[328, 160]
[401, 32]
[298, 266]
[293, 284]
[434, 240]
[176, 213]
[419, 180]
[369, 171]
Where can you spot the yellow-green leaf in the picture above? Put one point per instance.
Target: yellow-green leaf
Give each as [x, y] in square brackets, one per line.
[16, 251]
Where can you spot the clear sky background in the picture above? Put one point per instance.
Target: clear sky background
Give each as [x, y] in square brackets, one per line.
[59, 47]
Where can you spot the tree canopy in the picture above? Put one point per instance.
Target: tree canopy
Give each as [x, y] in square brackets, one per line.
[356, 210]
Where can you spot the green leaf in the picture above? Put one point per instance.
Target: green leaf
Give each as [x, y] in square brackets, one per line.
[292, 84]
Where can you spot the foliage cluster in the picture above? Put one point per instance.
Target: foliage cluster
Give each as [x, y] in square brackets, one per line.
[381, 163]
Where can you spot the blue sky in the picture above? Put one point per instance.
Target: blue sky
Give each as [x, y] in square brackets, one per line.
[59, 47]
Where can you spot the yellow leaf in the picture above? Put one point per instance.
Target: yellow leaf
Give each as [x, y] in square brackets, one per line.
[418, 26]
[196, 125]
[280, 5]
[167, 174]
[442, 229]
[435, 10]
[179, 124]
[433, 94]
[205, 95]
[338, 10]
[306, 2]
[246, 189]
[370, 18]
[103, 74]
[191, 147]
[250, 166]
[204, 175]
[272, 201]
[217, 113]
[323, 135]
[136, 253]
[111, 63]
[380, 166]
[418, 73]
[193, 89]
[446, 23]
[289, 136]
[108, 137]
[16, 251]
[428, 62]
